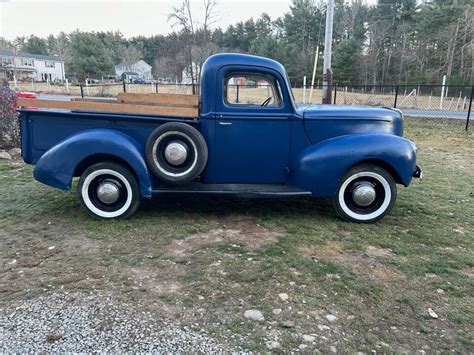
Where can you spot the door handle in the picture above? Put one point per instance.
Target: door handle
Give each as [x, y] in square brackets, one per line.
[225, 123]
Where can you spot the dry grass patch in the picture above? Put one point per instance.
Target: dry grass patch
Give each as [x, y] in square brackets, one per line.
[374, 265]
[236, 229]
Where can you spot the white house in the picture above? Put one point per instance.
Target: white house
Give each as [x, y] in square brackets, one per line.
[140, 69]
[26, 66]
[186, 75]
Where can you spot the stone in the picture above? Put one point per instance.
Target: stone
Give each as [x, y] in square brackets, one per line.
[5, 156]
[333, 349]
[287, 324]
[254, 315]
[308, 338]
[15, 152]
[330, 317]
[303, 346]
[432, 313]
[277, 311]
[283, 296]
[272, 345]
[322, 327]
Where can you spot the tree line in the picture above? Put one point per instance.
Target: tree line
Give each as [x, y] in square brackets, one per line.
[393, 41]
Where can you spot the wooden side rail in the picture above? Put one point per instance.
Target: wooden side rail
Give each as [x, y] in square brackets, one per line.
[97, 105]
[159, 99]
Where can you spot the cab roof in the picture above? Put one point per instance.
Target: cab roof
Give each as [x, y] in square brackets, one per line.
[216, 61]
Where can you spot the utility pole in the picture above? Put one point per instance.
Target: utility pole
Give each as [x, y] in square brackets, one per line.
[327, 71]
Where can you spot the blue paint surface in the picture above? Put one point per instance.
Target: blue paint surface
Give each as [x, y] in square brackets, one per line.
[308, 147]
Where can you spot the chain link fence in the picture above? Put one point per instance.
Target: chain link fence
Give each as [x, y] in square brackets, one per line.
[445, 106]
[449, 105]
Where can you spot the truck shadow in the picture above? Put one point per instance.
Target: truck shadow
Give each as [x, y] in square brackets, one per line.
[221, 206]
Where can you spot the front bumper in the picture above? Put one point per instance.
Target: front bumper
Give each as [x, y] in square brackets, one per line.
[418, 173]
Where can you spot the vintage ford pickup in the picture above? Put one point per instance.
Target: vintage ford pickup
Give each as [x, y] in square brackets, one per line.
[248, 139]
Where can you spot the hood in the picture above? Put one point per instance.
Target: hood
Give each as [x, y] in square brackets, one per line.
[327, 121]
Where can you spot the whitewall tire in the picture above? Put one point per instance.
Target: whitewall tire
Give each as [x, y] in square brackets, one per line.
[366, 193]
[176, 152]
[109, 190]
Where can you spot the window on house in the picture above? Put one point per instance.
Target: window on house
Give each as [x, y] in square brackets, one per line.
[27, 62]
[251, 89]
[7, 60]
[49, 64]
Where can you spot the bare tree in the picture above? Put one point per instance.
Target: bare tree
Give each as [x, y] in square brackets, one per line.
[130, 55]
[5, 44]
[196, 34]
[19, 43]
[166, 67]
[467, 47]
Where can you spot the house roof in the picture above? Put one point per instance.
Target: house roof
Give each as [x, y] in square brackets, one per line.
[29, 55]
[121, 65]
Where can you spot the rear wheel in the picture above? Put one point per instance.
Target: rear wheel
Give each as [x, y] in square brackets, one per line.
[109, 190]
[366, 194]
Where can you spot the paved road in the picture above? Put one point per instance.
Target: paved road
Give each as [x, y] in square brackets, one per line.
[63, 97]
[458, 115]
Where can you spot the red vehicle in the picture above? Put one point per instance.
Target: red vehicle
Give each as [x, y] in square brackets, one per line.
[28, 95]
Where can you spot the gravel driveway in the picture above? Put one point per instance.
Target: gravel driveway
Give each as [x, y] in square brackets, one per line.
[92, 323]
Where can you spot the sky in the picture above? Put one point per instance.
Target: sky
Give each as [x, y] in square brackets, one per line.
[131, 17]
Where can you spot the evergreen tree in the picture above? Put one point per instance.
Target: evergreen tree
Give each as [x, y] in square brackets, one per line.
[88, 57]
[35, 45]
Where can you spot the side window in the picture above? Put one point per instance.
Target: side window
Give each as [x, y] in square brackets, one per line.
[250, 89]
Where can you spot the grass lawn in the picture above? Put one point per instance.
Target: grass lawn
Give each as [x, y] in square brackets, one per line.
[203, 262]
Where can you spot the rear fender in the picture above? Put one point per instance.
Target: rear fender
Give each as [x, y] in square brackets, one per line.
[320, 167]
[56, 167]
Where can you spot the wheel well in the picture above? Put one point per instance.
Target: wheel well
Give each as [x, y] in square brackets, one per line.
[99, 158]
[384, 165]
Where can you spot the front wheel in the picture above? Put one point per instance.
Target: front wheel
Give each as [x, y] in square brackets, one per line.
[366, 194]
[109, 190]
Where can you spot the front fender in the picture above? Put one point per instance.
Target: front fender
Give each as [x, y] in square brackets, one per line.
[320, 167]
[56, 167]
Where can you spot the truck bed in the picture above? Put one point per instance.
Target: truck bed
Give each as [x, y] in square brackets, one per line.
[183, 106]
[43, 129]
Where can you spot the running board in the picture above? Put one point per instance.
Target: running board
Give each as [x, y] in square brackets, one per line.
[234, 190]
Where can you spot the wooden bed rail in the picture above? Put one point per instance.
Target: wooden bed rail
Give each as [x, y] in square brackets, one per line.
[150, 104]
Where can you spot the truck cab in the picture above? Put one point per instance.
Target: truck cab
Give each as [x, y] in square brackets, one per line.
[250, 139]
[247, 105]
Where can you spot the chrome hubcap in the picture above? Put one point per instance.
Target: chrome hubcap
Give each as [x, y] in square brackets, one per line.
[176, 153]
[108, 192]
[364, 195]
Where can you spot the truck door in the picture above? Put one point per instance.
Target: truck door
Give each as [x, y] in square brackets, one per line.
[253, 123]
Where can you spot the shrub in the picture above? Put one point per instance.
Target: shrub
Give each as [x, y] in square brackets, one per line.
[9, 124]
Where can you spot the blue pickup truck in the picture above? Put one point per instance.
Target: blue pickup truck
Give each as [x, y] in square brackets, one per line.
[250, 139]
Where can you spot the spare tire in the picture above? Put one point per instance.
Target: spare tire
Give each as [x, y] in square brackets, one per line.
[176, 152]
